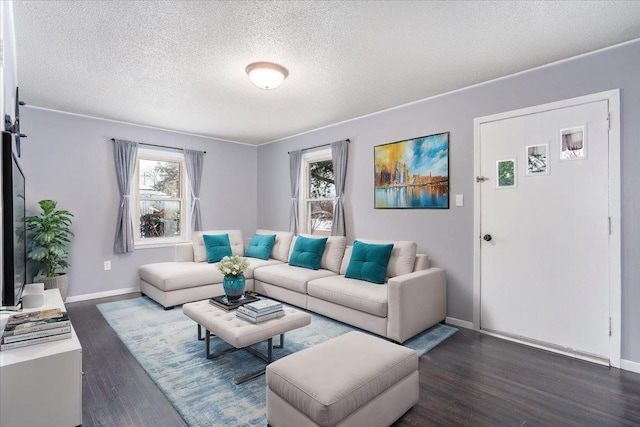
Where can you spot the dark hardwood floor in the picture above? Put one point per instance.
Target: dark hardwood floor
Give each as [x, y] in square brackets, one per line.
[470, 380]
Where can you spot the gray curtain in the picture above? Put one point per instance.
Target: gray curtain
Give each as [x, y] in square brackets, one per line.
[193, 161]
[339, 157]
[125, 154]
[295, 160]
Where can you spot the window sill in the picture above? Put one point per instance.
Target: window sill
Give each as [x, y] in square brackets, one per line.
[159, 244]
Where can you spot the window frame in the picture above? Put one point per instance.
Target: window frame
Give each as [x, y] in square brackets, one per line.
[185, 199]
[304, 219]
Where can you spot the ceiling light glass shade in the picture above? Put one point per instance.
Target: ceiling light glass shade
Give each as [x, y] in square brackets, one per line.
[266, 75]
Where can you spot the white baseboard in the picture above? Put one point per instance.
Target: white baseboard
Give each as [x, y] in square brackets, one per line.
[460, 323]
[628, 365]
[96, 295]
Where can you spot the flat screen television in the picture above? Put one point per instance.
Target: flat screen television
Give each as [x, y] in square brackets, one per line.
[14, 238]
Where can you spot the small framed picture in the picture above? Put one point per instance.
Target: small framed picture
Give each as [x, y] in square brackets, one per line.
[506, 174]
[537, 159]
[573, 143]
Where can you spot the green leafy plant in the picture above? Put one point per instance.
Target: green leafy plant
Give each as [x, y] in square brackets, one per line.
[233, 266]
[49, 235]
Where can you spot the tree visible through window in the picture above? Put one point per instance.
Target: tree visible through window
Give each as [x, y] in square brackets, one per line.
[319, 195]
[160, 198]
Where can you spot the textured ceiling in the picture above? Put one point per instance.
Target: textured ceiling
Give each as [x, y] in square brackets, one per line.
[180, 64]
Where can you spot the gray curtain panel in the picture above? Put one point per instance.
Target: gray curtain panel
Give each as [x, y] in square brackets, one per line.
[295, 160]
[339, 157]
[125, 154]
[193, 161]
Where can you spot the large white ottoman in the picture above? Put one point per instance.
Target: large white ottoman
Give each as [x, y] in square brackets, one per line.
[352, 380]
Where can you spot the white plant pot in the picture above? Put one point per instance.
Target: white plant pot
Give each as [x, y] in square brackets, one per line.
[61, 282]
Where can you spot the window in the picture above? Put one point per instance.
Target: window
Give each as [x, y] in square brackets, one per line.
[318, 192]
[160, 208]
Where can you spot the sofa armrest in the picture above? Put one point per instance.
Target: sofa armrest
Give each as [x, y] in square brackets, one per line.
[183, 252]
[416, 301]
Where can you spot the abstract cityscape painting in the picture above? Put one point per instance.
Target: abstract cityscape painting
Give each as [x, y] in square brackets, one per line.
[413, 174]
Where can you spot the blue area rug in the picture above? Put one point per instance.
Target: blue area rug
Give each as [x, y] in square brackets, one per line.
[165, 344]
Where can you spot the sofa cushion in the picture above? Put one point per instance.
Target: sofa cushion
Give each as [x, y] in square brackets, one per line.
[402, 260]
[353, 293]
[280, 250]
[169, 276]
[257, 263]
[333, 251]
[200, 252]
[260, 246]
[369, 262]
[289, 277]
[307, 252]
[217, 246]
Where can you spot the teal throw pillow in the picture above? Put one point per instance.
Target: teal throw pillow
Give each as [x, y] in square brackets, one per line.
[217, 245]
[260, 246]
[369, 262]
[307, 252]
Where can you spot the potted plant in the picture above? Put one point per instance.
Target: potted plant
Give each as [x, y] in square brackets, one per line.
[49, 235]
[233, 269]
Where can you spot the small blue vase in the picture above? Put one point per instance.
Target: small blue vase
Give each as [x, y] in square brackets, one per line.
[233, 287]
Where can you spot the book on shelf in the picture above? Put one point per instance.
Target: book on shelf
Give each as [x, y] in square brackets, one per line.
[34, 341]
[264, 305]
[37, 325]
[16, 319]
[261, 318]
[223, 303]
[249, 312]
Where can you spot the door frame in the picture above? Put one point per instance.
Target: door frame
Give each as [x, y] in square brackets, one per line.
[615, 263]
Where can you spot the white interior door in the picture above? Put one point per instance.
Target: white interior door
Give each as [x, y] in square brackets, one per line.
[544, 273]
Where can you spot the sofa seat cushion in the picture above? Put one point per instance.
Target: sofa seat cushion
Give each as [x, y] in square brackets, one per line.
[258, 263]
[290, 277]
[170, 276]
[353, 293]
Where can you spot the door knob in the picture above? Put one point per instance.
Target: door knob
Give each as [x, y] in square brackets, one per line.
[487, 237]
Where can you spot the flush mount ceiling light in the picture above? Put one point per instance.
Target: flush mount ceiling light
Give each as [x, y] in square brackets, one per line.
[266, 75]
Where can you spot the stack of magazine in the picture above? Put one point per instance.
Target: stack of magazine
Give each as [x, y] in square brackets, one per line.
[37, 327]
[260, 311]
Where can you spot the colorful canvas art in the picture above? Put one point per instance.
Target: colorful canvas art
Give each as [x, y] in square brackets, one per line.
[413, 174]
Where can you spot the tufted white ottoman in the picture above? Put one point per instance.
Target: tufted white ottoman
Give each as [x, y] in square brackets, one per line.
[352, 380]
[240, 333]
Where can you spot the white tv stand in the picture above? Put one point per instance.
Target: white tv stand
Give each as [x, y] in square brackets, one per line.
[41, 385]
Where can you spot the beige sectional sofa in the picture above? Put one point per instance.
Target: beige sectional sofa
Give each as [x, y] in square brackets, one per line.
[412, 299]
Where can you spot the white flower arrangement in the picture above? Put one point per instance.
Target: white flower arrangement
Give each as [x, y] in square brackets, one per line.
[233, 266]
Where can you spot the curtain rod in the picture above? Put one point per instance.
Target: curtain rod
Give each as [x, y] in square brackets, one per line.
[156, 145]
[322, 145]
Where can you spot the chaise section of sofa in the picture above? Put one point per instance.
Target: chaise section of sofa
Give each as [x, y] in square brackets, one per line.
[191, 278]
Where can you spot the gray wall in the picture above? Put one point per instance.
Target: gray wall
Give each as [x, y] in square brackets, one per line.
[69, 158]
[447, 235]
